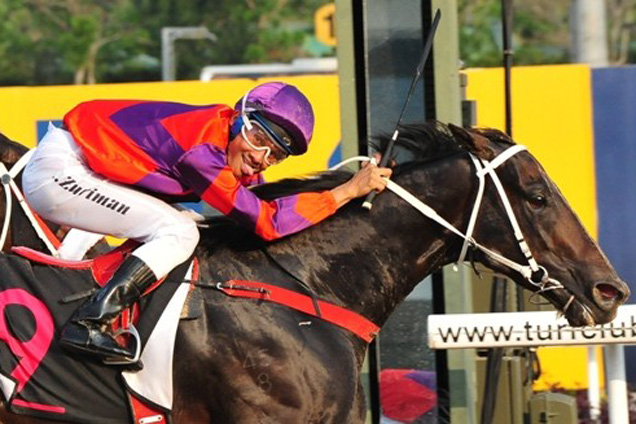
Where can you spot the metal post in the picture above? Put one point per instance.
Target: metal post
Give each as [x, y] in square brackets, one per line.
[498, 303]
[589, 32]
[506, 16]
[589, 45]
[616, 384]
[168, 53]
[499, 294]
[593, 385]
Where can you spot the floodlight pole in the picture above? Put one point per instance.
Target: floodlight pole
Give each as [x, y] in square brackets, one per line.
[168, 53]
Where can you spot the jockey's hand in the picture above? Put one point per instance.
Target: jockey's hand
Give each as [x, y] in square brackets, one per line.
[378, 158]
[369, 178]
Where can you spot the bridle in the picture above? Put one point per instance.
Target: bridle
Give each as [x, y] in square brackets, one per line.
[7, 178]
[535, 274]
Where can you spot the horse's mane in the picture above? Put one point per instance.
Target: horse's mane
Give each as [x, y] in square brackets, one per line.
[418, 143]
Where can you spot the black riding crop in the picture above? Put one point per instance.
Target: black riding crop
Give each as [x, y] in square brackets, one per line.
[418, 73]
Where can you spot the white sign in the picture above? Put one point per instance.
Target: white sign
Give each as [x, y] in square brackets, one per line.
[517, 329]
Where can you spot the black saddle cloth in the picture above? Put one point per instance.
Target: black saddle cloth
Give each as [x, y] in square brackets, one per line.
[49, 382]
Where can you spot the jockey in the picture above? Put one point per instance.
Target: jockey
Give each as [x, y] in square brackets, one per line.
[106, 170]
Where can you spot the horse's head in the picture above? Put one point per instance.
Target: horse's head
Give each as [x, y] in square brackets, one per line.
[580, 281]
[563, 263]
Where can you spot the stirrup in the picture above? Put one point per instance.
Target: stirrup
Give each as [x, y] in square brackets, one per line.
[132, 331]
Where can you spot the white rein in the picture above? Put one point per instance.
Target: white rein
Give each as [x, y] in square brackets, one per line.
[483, 167]
[7, 178]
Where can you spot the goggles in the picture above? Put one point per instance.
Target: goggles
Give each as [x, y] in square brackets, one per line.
[260, 139]
[267, 135]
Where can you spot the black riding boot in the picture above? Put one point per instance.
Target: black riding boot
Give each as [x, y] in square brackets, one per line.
[87, 330]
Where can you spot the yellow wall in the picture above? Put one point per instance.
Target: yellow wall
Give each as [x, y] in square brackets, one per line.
[552, 116]
[21, 107]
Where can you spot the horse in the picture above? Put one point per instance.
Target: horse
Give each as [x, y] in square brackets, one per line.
[246, 361]
[20, 231]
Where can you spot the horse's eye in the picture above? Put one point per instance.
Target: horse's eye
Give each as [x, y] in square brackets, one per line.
[538, 201]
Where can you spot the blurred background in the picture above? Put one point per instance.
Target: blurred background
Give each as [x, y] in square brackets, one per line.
[574, 99]
[44, 42]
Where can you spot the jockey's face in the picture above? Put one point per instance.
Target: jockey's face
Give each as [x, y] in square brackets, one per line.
[251, 152]
[243, 160]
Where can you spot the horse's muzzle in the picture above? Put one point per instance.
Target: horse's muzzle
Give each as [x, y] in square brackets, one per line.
[609, 295]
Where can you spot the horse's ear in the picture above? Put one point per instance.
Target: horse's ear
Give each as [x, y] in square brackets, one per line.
[473, 142]
[10, 151]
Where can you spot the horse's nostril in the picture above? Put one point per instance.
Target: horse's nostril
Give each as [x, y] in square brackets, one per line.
[608, 292]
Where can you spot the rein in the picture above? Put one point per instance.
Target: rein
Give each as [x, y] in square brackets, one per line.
[535, 274]
[7, 178]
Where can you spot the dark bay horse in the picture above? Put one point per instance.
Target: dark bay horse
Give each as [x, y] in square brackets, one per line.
[20, 231]
[246, 361]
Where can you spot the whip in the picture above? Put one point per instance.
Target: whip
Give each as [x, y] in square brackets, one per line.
[418, 73]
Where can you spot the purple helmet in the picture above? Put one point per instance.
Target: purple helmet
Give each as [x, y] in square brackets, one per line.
[284, 111]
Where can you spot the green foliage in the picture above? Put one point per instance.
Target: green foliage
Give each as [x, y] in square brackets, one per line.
[58, 42]
[248, 31]
[540, 32]
[76, 41]
[479, 33]
[66, 41]
[16, 47]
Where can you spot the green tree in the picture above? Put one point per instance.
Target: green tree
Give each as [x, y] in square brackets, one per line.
[87, 41]
[59, 41]
[622, 31]
[24, 43]
[540, 32]
[248, 31]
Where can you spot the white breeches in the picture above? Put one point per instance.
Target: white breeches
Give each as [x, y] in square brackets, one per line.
[77, 243]
[60, 187]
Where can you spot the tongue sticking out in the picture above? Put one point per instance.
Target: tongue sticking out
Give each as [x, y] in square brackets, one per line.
[247, 170]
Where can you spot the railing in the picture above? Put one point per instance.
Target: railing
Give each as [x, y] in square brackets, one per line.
[297, 66]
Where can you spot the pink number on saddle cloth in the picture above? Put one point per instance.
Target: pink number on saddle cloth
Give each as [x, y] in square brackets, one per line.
[102, 267]
[29, 353]
[32, 351]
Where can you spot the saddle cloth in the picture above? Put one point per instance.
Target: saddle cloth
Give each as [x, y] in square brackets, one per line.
[38, 378]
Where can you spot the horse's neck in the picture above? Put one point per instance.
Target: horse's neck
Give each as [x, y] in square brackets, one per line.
[377, 258]
[22, 232]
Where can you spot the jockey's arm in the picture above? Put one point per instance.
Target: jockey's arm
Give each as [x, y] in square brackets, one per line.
[206, 172]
